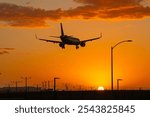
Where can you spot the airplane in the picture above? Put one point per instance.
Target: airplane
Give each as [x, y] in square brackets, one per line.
[68, 40]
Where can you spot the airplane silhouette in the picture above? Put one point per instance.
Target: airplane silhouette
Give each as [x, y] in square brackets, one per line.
[68, 40]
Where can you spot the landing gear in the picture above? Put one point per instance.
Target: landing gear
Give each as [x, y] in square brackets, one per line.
[62, 45]
[77, 47]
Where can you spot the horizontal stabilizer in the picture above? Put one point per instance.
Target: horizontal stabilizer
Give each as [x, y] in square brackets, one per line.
[55, 36]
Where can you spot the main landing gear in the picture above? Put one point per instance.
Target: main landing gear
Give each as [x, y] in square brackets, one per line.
[62, 45]
[77, 47]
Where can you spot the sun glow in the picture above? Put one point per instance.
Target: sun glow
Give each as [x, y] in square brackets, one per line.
[101, 88]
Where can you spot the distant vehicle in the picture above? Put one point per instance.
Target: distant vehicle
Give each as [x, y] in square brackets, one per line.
[68, 40]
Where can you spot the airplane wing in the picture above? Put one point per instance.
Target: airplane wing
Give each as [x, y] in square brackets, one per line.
[48, 40]
[92, 39]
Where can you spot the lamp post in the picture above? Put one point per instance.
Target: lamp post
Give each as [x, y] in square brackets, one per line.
[112, 69]
[16, 85]
[26, 83]
[118, 80]
[55, 83]
[48, 85]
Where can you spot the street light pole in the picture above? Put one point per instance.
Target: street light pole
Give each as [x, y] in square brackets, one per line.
[55, 83]
[118, 80]
[48, 85]
[16, 85]
[112, 68]
[26, 83]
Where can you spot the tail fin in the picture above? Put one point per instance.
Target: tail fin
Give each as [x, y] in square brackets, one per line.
[62, 31]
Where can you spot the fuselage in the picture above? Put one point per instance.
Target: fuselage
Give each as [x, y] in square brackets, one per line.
[70, 40]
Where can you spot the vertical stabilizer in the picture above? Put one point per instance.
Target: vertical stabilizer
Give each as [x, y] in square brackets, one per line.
[62, 31]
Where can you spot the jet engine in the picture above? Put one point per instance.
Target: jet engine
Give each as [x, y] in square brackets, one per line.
[82, 44]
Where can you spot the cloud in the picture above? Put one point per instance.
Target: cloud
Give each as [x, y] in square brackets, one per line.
[5, 50]
[15, 15]
[103, 4]
[21, 16]
[107, 9]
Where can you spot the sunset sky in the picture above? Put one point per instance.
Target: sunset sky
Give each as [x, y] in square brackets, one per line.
[89, 66]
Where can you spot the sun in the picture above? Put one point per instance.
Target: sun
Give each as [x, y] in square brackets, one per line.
[101, 88]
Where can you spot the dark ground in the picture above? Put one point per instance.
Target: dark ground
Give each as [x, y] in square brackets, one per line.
[78, 95]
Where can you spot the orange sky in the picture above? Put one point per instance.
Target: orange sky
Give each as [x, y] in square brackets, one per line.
[89, 66]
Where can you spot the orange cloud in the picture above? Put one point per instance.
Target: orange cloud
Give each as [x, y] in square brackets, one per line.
[5, 50]
[110, 9]
[109, 4]
[14, 15]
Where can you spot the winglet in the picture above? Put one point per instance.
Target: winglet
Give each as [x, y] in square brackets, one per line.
[36, 36]
[100, 35]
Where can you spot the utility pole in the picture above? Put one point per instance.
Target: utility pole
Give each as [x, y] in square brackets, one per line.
[16, 85]
[26, 83]
[45, 85]
[48, 85]
[55, 83]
